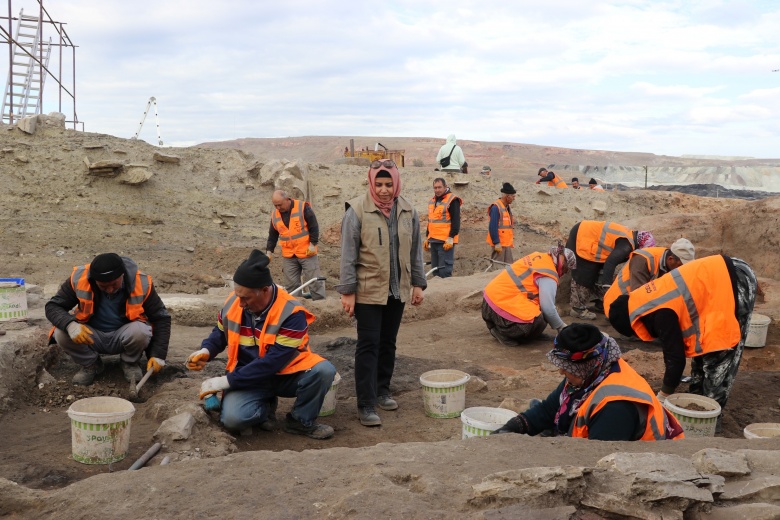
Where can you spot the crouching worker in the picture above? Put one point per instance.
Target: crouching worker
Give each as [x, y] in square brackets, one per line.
[600, 398]
[265, 331]
[518, 304]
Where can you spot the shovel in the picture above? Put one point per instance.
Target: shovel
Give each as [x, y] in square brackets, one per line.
[135, 389]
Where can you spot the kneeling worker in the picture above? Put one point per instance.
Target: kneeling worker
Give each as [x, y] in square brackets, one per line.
[518, 304]
[601, 396]
[265, 331]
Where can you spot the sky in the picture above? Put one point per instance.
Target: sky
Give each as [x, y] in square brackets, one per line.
[666, 77]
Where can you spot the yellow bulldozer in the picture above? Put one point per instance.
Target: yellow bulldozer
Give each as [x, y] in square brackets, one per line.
[379, 152]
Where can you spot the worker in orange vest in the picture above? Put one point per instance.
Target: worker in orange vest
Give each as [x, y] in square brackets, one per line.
[601, 396]
[266, 334]
[701, 310]
[294, 224]
[600, 247]
[443, 228]
[501, 235]
[551, 177]
[518, 304]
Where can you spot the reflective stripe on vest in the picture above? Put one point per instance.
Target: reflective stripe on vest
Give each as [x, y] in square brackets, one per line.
[557, 182]
[605, 230]
[653, 257]
[439, 220]
[294, 238]
[506, 234]
[516, 293]
[596, 239]
[139, 289]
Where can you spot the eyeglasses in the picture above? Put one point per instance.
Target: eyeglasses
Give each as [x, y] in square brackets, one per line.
[386, 164]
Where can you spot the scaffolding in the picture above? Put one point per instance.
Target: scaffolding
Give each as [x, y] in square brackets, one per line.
[29, 55]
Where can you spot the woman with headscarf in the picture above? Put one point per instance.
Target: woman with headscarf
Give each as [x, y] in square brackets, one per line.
[601, 397]
[518, 304]
[600, 247]
[381, 264]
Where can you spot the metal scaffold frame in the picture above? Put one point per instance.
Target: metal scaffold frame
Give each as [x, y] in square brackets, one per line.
[62, 41]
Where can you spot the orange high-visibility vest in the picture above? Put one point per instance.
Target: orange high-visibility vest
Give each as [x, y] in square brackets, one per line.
[439, 220]
[625, 385]
[557, 182]
[596, 240]
[140, 287]
[238, 335]
[701, 294]
[294, 238]
[506, 234]
[652, 256]
[514, 290]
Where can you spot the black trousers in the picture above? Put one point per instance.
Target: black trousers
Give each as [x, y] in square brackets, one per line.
[377, 330]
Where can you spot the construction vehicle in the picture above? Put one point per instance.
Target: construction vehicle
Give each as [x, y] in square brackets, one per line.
[376, 154]
[152, 101]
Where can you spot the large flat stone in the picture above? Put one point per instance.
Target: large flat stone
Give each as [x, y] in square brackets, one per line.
[721, 462]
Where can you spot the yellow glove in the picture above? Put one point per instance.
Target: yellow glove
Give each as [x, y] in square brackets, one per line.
[448, 244]
[426, 245]
[213, 385]
[155, 363]
[197, 360]
[497, 248]
[80, 333]
[312, 250]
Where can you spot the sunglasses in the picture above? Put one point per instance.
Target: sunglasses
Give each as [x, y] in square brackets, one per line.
[383, 164]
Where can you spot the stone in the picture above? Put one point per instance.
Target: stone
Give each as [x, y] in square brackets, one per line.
[135, 176]
[666, 466]
[27, 124]
[721, 462]
[21, 159]
[190, 249]
[521, 511]
[514, 382]
[544, 192]
[45, 378]
[618, 505]
[764, 487]
[757, 511]
[531, 486]
[599, 207]
[165, 158]
[176, 428]
[516, 405]
[476, 384]
[762, 461]
[53, 119]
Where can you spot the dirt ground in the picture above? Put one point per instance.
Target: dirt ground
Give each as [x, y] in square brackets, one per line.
[56, 216]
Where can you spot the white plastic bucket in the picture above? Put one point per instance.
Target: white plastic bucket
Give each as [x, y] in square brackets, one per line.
[762, 430]
[479, 421]
[100, 429]
[757, 328]
[444, 392]
[695, 423]
[329, 404]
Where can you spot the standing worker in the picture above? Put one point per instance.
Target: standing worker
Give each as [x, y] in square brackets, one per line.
[118, 312]
[381, 269]
[701, 310]
[443, 227]
[600, 247]
[501, 234]
[450, 157]
[294, 224]
[266, 334]
[648, 264]
[518, 304]
[552, 178]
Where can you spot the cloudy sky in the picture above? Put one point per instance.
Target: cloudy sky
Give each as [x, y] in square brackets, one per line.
[676, 77]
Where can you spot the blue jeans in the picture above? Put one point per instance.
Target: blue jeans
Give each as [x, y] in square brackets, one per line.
[442, 259]
[249, 407]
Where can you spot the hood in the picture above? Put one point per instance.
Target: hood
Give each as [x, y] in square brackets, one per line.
[451, 139]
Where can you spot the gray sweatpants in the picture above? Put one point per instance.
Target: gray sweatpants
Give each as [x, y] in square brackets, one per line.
[504, 256]
[307, 268]
[129, 341]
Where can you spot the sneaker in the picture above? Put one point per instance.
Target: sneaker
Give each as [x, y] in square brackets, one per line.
[503, 339]
[86, 375]
[132, 372]
[583, 314]
[385, 402]
[313, 431]
[271, 423]
[368, 416]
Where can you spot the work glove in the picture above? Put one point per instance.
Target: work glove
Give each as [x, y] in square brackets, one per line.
[312, 250]
[197, 360]
[80, 333]
[513, 425]
[448, 244]
[213, 385]
[426, 245]
[497, 248]
[155, 363]
[268, 254]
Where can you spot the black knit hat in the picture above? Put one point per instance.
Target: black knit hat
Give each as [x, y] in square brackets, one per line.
[578, 337]
[592, 181]
[619, 317]
[575, 179]
[253, 272]
[106, 267]
[508, 189]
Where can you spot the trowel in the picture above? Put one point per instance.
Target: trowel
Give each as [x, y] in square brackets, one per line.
[136, 389]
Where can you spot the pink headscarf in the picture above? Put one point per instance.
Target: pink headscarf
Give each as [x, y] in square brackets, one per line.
[645, 239]
[395, 175]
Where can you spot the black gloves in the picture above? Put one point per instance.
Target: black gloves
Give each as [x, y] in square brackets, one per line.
[514, 425]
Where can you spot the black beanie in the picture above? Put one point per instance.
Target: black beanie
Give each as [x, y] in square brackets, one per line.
[106, 267]
[508, 189]
[253, 272]
[578, 337]
[619, 317]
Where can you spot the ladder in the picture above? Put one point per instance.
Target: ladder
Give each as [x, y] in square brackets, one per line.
[152, 101]
[25, 83]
